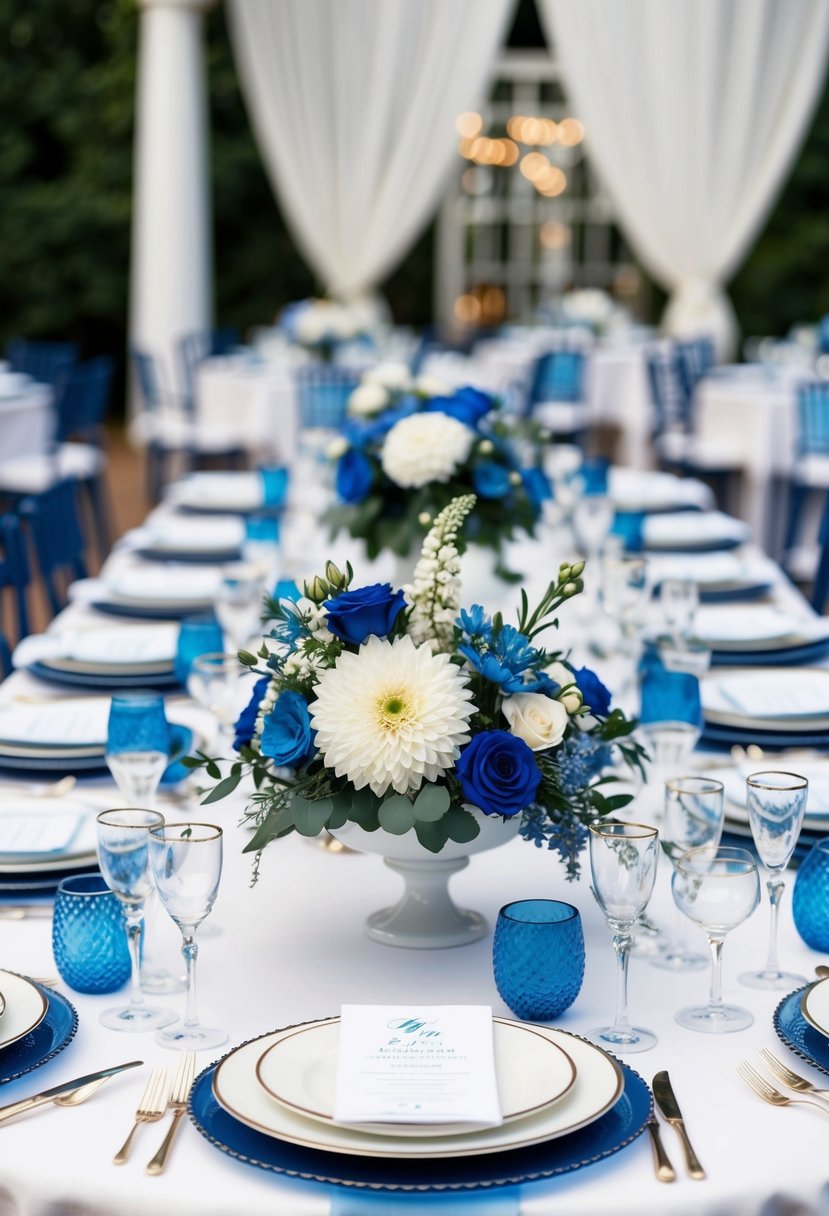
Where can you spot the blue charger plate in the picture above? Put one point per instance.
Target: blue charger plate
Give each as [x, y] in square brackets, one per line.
[733, 595]
[55, 1032]
[186, 556]
[711, 546]
[771, 658]
[110, 608]
[798, 1035]
[606, 1136]
[181, 741]
[721, 738]
[83, 679]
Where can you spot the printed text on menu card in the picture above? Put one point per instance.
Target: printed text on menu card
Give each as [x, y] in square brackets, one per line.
[416, 1064]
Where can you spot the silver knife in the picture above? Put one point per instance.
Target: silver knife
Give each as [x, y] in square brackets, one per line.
[665, 1099]
[49, 1095]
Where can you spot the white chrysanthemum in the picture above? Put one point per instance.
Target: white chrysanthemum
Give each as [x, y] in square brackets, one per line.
[368, 399]
[391, 716]
[424, 448]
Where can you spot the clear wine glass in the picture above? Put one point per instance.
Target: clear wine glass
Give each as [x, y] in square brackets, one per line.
[123, 855]
[138, 745]
[215, 682]
[679, 601]
[623, 861]
[717, 888]
[624, 594]
[186, 860]
[693, 819]
[239, 609]
[776, 807]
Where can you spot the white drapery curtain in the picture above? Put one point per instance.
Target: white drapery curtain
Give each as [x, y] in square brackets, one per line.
[694, 111]
[353, 104]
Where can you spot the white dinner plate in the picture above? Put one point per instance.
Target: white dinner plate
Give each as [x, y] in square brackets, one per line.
[165, 587]
[814, 1005]
[598, 1086]
[749, 626]
[219, 491]
[786, 699]
[642, 490]
[25, 1008]
[300, 1071]
[58, 833]
[63, 725]
[816, 772]
[218, 534]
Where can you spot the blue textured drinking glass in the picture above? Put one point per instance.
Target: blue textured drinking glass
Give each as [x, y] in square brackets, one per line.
[538, 957]
[594, 475]
[88, 935]
[810, 901]
[198, 635]
[138, 744]
[274, 485]
[670, 696]
[630, 526]
[262, 529]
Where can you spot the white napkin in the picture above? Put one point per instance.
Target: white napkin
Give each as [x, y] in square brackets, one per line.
[693, 527]
[632, 489]
[128, 644]
[68, 722]
[790, 693]
[194, 584]
[23, 833]
[242, 491]
[816, 773]
[218, 533]
[752, 622]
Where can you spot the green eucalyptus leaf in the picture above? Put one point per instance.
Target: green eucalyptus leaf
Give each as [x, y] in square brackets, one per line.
[460, 825]
[277, 823]
[431, 804]
[396, 815]
[310, 817]
[432, 835]
[226, 786]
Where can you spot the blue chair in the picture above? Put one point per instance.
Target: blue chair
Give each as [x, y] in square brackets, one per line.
[5, 658]
[52, 518]
[556, 397]
[15, 571]
[81, 401]
[810, 471]
[168, 428]
[323, 390]
[820, 590]
[47, 362]
[696, 358]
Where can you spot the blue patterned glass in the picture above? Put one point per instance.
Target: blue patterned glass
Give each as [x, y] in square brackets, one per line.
[669, 696]
[274, 485]
[810, 900]
[88, 938]
[630, 526]
[262, 529]
[197, 635]
[538, 957]
[594, 475]
[137, 723]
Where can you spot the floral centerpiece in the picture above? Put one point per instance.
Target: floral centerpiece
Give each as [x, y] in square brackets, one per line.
[401, 712]
[407, 451]
[320, 326]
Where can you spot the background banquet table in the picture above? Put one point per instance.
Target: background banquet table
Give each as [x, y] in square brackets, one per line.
[26, 418]
[292, 948]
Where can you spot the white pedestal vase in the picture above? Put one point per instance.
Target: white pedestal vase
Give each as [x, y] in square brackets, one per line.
[426, 918]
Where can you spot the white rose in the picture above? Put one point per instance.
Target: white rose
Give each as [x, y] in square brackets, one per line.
[394, 376]
[538, 720]
[368, 399]
[572, 699]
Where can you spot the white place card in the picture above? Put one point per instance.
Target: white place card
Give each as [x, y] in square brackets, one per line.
[416, 1064]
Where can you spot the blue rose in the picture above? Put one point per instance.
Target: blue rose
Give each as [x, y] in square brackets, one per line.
[498, 773]
[469, 405]
[247, 718]
[355, 615]
[354, 476]
[596, 696]
[287, 738]
[538, 487]
[491, 480]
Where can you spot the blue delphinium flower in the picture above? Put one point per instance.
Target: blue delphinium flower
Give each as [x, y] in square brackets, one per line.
[475, 623]
[580, 759]
[508, 659]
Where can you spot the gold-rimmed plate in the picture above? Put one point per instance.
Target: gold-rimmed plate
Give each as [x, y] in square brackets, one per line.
[24, 1010]
[814, 1005]
[598, 1086]
[299, 1070]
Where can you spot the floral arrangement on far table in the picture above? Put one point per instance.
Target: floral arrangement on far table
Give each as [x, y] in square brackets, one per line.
[402, 712]
[406, 452]
[320, 326]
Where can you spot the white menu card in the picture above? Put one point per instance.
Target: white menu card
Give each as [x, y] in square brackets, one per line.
[416, 1064]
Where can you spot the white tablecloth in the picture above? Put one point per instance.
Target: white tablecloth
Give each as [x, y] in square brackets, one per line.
[292, 948]
[257, 401]
[26, 423]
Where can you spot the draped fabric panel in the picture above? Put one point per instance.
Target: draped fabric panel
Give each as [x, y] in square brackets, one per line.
[353, 104]
[694, 112]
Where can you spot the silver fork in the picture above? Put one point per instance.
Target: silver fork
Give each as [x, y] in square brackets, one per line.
[182, 1084]
[771, 1095]
[794, 1081]
[150, 1109]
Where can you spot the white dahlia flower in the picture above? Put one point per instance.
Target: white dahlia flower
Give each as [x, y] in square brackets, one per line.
[391, 716]
[424, 448]
[368, 399]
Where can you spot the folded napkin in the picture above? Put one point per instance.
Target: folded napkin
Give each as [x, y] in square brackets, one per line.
[235, 490]
[25, 834]
[694, 528]
[64, 722]
[729, 623]
[768, 694]
[149, 582]
[131, 644]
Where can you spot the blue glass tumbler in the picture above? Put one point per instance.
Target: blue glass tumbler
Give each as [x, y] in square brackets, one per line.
[197, 635]
[88, 938]
[138, 745]
[538, 957]
[810, 899]
[630, 525]
[262, 529]
[594, 475]
[669, 696]
[274, 485]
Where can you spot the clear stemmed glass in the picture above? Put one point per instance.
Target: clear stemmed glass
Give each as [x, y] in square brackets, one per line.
[679, 601]
[123, 855]
[718, 888]
[186, 860]
[239, 609]
[693, 819]
[776, 806]
[138, 745]
[215, 682]
[624, 594]
[623, 860]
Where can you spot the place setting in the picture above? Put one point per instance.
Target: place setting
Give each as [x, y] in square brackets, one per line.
[720, 577]
[36, 1024]
[150, 591]
[121, 657]
[750, 635]
[693, 532]
[230, 493]
[167, 536]
[772, 708]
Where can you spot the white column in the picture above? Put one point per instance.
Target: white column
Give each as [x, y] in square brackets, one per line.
[171, 287]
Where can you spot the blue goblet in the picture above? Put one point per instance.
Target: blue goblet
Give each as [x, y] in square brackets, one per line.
[538, 957]
[88, 935]
[138, 745]
[198, 635]
[274, 485]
